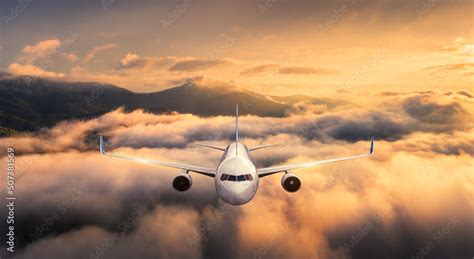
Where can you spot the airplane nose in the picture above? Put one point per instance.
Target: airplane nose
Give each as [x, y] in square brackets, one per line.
[234, 188]
[235, 194]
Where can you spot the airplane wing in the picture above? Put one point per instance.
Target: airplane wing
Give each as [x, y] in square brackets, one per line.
[197, 169]
[276, 169]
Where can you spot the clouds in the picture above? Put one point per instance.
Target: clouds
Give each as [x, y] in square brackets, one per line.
[170, 63]
[40, 49]
[426, 110]
[286, 70]
[37, 58]
[32, 70]
[401, 116]
[458, 46]
[305, 70]
[94, 51]
[390, 205]
[193, 64]
[258, 69]
[31, 55]
[466, 69]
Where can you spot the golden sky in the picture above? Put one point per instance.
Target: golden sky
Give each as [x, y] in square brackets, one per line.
[405, 67]
[310, 47]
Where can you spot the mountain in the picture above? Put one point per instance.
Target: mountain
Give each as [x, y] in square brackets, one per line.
[28, 103]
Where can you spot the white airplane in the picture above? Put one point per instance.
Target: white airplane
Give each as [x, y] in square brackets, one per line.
[236, 177]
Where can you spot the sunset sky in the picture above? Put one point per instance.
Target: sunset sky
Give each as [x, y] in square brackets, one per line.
[398, 70]
[311, 47]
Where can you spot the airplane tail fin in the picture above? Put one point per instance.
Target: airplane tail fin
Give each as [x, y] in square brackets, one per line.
[236, 123]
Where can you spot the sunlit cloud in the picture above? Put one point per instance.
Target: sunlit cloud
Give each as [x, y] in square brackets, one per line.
[94, 51]
[193, 64]
[258, 69]
[464, 68]
[29, 69]
[305, 70]
[458, 46]
[31, 53]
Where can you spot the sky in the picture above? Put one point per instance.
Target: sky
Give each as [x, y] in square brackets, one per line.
[304, 47]
[404, 70]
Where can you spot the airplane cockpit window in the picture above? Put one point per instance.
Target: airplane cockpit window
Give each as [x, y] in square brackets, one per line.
[224, 177]
[236, 178]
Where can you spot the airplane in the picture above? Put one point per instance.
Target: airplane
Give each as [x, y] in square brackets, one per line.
[236, 177]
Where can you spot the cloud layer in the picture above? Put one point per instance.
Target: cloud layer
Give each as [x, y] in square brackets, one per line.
[414, 197]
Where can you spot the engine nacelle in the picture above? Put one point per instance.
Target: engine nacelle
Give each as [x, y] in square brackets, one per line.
[182, 182]
[290, 182]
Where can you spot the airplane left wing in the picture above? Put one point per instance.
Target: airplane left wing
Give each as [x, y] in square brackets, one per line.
[197, 169]
[276, 169]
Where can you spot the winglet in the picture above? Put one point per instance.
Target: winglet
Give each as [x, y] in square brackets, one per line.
[371, 146]
[101, 145]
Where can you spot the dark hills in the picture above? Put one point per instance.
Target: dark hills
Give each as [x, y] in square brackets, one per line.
[28, 103]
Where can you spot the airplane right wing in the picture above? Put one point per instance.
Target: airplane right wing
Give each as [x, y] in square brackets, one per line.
[276, 169]
[197, 169]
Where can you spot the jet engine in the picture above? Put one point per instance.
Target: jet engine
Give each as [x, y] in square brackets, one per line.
[290, 182]
[182, 182]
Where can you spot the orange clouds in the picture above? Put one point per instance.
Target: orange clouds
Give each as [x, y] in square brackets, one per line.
[32, 70]
[94, 51]
[305, 70]
[384, 207]
[34, 58]
[40, 49]
[258, 69]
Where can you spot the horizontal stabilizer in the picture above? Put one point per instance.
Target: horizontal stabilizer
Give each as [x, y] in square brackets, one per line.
[262, 146]
[210, 146]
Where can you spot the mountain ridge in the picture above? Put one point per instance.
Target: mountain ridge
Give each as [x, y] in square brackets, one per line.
[28, 103]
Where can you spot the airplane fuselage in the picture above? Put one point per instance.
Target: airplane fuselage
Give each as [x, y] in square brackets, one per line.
[236, 178]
